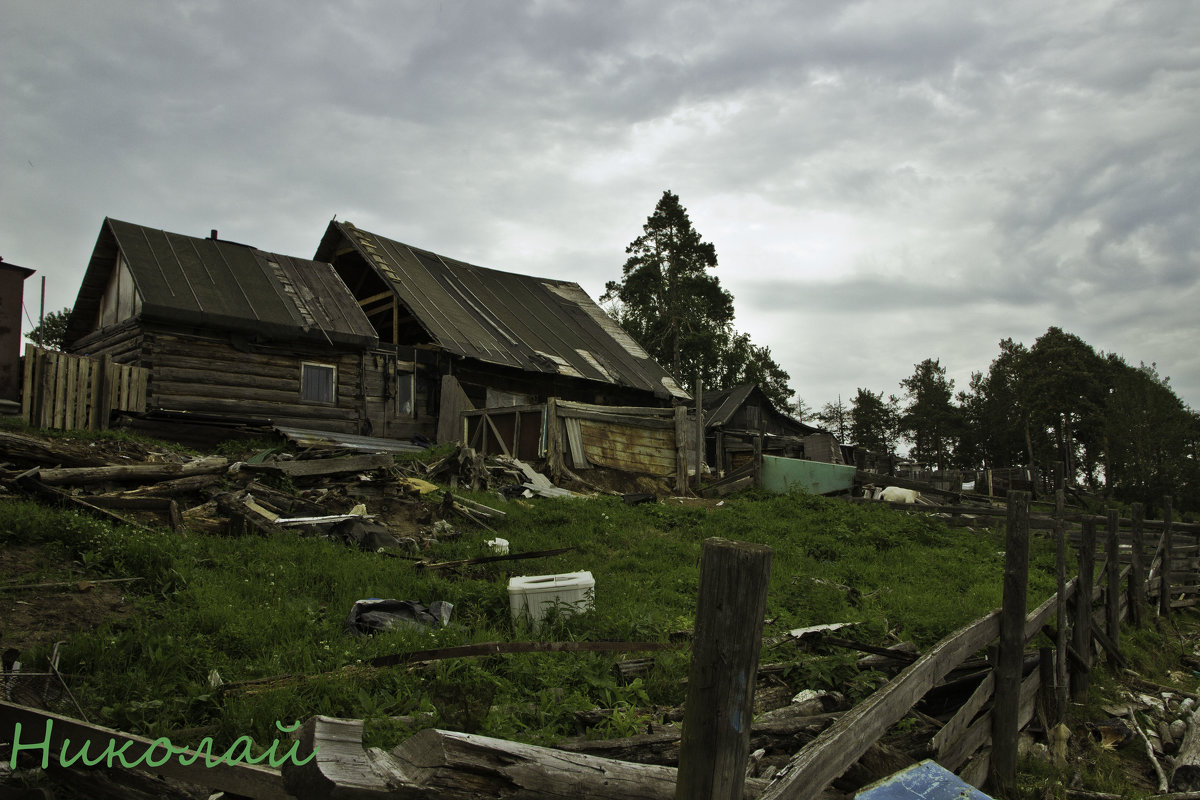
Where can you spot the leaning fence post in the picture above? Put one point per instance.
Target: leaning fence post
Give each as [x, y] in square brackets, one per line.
[1112, 599]
[1060, 640]
[1003, 769]
[1164, 577]
[1080, 677]
[1137, 569]
[720, 700]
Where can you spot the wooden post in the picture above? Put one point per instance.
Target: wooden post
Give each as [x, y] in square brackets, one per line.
[1005, 729]
[1137, 570]
[1164, 578]
[1080, 677]
[757, 443]
[1060, 640]
[681, 437]
[554, 455]
[1112, 595]
[1047, 694]
[720, 700]
[699, 431]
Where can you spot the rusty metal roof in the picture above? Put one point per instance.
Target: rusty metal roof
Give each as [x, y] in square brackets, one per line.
[533, 324]
[214, 283]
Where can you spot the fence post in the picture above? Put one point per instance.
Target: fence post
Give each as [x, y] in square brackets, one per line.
[699, 431]
[720, 700]
[1003, 768]
[1080, 677]
[1164, 578]
[1137, 569]
[1112, 595]
[1060, 640]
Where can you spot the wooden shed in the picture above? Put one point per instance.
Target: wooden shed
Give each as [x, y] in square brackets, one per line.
[739, 420]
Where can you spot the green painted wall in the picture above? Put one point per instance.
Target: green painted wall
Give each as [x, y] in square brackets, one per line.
[816, 477]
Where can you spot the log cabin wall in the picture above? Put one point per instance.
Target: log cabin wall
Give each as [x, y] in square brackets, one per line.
[204, 371]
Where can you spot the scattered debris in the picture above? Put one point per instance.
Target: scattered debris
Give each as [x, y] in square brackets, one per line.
[374, 615]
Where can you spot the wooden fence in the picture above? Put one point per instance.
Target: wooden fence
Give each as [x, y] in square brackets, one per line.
[979, 743]
[67, 392]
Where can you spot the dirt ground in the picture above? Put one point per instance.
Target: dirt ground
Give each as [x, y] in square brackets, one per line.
[45, 615]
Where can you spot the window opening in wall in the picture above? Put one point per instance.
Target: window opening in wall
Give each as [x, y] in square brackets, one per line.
[318, 382]
[405, 406]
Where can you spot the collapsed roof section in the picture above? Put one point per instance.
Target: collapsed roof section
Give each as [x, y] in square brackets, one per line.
[532, 324]
[216, 284]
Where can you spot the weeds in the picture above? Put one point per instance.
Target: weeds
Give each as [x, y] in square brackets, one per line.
[260, 607]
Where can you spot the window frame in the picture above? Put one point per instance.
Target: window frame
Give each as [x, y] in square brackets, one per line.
[333, 387]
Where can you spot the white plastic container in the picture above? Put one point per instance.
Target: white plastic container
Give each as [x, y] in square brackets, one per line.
[498, 546]
[535, 595]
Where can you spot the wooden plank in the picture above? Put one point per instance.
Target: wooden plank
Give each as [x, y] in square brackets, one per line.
[496, 432]
[681, 464]
[656, 423]
[61, 364]
[720, 702]
[575, 443]
[70, 397]
[846, 740]
[1081, 672]
[326, 466]
[948, 743]
[95, 387]
[1137, 575]
[83, 398]
[106, 391]
[568, 407]
[28, 383]
[1164, 588]
[248, 780]
[1112, 599]
[77, 476]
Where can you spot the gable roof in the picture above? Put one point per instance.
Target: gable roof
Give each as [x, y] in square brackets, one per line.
[214, 283]
[533, 324]
[720, 406]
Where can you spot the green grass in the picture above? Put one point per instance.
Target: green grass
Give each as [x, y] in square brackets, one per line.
[259, 607]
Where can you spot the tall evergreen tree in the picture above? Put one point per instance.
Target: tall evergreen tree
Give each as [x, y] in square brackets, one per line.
[930, 418]
[874, 421]
[837, 419]
[668, 301]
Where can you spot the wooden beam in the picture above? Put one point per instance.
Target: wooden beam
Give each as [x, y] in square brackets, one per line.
[1009, 666]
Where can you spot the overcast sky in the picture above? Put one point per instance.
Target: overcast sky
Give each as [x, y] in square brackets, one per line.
[884, 182]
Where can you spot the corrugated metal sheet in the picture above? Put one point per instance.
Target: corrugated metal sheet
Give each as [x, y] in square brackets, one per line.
[533, 324]
[225, 285]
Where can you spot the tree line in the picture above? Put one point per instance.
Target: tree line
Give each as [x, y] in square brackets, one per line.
[1116, 428]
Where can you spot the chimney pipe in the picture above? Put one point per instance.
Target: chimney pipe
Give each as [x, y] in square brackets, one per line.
[213, 234]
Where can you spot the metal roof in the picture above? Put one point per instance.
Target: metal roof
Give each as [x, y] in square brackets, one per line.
[720, 406]
[214, 283]
[533, 324]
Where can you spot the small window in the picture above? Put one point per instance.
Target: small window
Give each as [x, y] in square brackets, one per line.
[404, 395]
[318, 383]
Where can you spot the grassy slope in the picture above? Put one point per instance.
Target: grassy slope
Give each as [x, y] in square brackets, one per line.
[258, 607]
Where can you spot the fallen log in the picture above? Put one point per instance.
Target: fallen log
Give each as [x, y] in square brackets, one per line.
[1185, 776]
[31, 450]
[444, 765]
[144, 473]
[501, 648]
[30, 483]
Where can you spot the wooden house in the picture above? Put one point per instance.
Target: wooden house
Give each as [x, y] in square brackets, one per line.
[465, 336]
[740, 420]
[225, 328]
[373, 338]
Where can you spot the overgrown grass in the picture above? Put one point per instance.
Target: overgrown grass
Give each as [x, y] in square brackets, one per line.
[258, 607]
